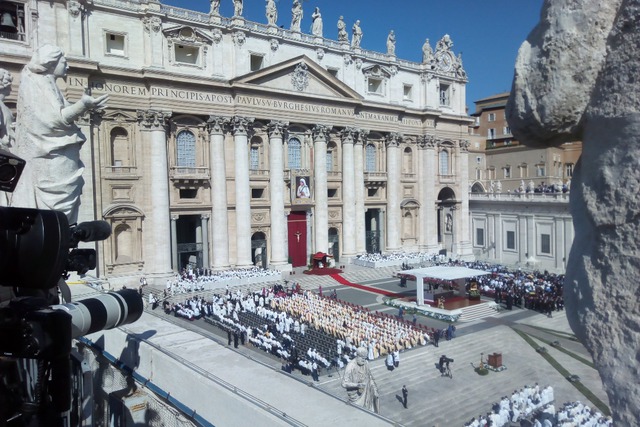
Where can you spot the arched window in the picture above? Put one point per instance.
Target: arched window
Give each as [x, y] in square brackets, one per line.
[444, 162]
[294, 153]
[120, 147]
[123, 243]
[186, 142]
[370, 158]
[407, 160]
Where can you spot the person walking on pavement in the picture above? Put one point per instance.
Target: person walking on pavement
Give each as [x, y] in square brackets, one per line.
[436, 337]
[405, 395]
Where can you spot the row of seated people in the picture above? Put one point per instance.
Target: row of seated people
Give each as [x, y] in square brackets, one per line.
[522, 405]
[353, 324]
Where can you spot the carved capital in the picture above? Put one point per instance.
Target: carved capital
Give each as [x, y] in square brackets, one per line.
[152, 23]
[427, 141]
[276, 128]
[153, 120]
[321, 133]
[239, 37]
[393, 139]
[217, 124]
[241, 125]
[205, 217]
[349, 135]
[362, 136]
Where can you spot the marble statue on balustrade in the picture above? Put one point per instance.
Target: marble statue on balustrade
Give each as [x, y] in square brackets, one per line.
[359, 383]
[575, 79]
[343, 36]
[7, 134]
[215, 8]
[47, 136]
[272, 13]
[498, 186]
[238, 6]
[391, 43]
[356, 37]
[427, 53]
[316, 26]
[296, 15]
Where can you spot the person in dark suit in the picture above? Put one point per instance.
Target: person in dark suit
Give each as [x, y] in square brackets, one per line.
[405, 395]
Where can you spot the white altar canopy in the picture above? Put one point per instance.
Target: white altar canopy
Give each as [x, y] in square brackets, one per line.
[442, 273]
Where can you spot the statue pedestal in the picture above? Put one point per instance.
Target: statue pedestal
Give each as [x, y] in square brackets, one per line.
[273, 29]
[318, 40]
[237, 21]
[215, 19]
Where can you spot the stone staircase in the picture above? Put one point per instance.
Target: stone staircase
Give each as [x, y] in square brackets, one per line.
[478, 311]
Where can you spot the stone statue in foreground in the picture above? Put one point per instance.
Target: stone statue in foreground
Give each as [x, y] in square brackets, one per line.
[7, 134]
[48, 138]
[359, 383]
[575, 80]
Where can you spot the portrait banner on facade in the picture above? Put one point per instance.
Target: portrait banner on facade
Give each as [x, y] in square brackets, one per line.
[302, 190]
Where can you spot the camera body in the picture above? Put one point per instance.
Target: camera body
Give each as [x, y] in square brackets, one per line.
[38, 249]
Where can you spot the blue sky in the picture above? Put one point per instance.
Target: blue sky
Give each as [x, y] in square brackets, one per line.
[488, 33]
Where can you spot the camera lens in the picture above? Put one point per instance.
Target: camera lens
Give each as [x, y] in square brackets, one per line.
[7, 173]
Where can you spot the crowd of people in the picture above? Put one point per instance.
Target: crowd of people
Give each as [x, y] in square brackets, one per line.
[534, 406]
[197, 279]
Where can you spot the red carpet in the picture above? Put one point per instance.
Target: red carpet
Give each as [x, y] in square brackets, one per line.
[325, 271]
[338, 278]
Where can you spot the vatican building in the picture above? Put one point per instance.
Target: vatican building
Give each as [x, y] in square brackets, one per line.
[228, 143]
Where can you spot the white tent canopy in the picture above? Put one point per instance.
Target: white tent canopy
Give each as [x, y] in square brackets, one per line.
[442, 273]
[446, 273]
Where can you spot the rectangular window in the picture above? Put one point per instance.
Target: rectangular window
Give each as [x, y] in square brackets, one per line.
[257, 193]
[507, 172]
[491, 133]
[541, 170]
[254, 161]
[374, 85]
[408, 92]
[444, 94]
[188, 193]
[545, 244]
[492, 117]
[257, 62]
[187, 54]
[507, 130]
[332, 193]
[372, 192]
[329, 158]
[511, 240]
[115, 44]
[479, 237]
[478, 160]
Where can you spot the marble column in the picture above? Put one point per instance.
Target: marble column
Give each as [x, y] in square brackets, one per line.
[429, 176]
[348, 194]
[174, 242]
[241, 128]
[359, 193]
[465, 249]
[217, 167]
[278, 254]
[393, 191]
[205, 241]
[157, 253]
[321, 215]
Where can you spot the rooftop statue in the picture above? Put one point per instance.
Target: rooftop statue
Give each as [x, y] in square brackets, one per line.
[272, 12]
[343, 36]
[237, 7]
[316, 27]
[48, 138]
[357, 34]
[215, 7]
[391, 43]
[7, 134]
[296, 15]
[574, 81]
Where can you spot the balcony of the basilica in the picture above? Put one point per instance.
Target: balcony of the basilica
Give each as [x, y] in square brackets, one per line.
[375, 178]
[189, 174]
[259, 174]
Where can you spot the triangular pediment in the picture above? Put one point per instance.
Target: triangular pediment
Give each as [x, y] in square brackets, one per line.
[119, 116]
[299, 75]
[187, 34]
[377, 71]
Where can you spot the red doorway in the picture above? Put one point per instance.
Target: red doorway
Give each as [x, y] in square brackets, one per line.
[297, 225]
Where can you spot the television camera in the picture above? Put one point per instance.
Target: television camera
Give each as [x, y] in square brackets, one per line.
[38, 250]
